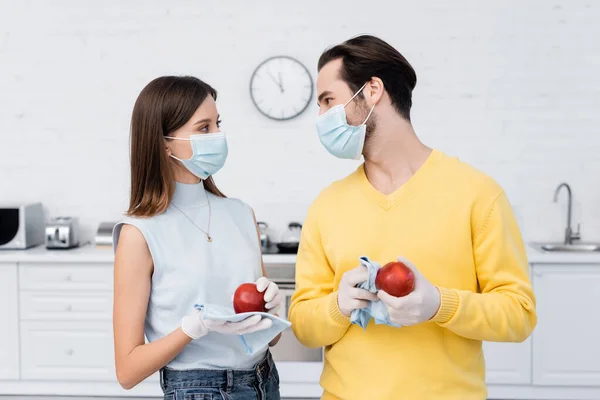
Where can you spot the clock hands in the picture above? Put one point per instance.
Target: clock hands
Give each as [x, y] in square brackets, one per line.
[278, 83]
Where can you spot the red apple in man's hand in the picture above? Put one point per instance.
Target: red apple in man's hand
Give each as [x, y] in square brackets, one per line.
[248, 299]
[396, 279]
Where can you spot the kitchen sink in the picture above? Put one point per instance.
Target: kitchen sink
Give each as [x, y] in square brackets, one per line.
[574, 247]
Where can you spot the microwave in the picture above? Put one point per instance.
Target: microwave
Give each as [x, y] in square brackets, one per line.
[21, 226]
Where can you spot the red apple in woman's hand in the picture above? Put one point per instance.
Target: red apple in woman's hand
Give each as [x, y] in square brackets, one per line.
[396, 279]
[248, 299]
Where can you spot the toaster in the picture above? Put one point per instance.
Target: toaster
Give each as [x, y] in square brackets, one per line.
[62, 233]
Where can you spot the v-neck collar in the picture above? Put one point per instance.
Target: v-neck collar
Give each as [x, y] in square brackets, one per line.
[389, 201]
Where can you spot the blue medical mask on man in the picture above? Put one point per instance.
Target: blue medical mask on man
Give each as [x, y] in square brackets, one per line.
[209, 152]
[337, 136]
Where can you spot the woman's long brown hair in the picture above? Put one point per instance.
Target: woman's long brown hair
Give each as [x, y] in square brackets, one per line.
[163, 106]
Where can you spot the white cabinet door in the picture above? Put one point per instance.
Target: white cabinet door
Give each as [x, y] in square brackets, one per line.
[508, 363]
[566, 341]
[66, 276]
[9, 322]
[73, 351]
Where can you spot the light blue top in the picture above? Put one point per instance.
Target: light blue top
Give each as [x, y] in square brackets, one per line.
[190, 270]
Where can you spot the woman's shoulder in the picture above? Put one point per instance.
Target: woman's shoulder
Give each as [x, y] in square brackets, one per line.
[232, 204]
[138, 221]
[136, 226]
[128, 227]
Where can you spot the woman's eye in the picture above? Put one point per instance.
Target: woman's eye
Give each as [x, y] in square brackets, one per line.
[327, 100]
[219, 123]
[204, 128]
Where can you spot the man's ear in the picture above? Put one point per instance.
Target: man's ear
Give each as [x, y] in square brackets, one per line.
[373, 92]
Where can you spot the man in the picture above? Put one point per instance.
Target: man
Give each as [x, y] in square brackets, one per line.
[452, 224]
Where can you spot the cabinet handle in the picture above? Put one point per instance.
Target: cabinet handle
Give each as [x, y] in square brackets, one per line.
[69, 278]
[69, 308]
[69, 352]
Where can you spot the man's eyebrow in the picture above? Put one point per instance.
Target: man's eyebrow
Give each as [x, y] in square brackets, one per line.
[322, 95]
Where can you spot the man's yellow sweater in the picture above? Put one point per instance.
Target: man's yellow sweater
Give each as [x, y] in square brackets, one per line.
[457, 226]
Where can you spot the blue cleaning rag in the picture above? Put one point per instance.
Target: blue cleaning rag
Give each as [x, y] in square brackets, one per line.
[375, 309]
[252, 341]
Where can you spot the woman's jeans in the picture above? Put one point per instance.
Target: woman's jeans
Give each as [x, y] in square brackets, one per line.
[259, 383]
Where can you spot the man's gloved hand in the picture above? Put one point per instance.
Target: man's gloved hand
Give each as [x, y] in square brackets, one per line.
[195, 327]
[350, 297]
[418, 306]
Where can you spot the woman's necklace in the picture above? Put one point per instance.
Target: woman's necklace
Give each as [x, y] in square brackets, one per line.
[207, 232]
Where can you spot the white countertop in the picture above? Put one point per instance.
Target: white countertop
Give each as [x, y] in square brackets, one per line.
[104, 254]
[93, 254]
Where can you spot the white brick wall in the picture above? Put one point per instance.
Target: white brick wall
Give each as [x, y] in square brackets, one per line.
[510, 86]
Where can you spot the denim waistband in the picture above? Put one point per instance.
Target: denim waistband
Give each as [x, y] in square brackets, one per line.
[216, 378]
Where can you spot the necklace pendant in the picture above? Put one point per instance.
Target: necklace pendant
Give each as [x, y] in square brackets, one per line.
[208, 238]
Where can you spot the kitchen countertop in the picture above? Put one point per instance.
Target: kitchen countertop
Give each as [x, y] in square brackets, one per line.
[104, 254]
[99, 254]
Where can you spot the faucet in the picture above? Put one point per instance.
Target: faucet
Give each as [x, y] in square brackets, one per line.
[570, 236]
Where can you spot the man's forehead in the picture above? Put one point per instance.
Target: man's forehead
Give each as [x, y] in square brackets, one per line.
[329, 74]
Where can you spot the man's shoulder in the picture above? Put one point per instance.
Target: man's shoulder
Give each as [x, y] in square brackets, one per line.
[337, 190]
[471, 179]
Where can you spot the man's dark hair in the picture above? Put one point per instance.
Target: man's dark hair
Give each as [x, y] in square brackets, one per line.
[364, 57]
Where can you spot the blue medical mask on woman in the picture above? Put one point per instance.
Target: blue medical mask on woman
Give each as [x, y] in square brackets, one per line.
[209, 152]
[337, 136]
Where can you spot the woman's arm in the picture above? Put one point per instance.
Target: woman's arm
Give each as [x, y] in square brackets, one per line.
[134, 360]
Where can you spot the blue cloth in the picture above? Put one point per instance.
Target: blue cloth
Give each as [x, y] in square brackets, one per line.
[375, 309]
[254, 341]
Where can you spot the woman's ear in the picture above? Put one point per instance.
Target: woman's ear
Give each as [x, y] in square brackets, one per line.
[167, 147]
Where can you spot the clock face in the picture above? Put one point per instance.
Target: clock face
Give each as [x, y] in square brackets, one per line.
[281, 88]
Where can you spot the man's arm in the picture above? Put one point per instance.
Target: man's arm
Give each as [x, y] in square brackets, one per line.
[314, 312]
[504, 310]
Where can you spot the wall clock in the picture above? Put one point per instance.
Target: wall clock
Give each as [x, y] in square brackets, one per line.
[281, 88]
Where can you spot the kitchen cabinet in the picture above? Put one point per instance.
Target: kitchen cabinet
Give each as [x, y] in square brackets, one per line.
[9, 322]
[508, 363]
[566, 342]
[65, 321]
[56, 331]
[77, 350]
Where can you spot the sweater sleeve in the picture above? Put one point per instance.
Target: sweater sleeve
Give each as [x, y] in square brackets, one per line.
[314, 312]
[504, 308]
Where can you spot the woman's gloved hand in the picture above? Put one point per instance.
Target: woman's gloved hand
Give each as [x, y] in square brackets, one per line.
[195, 327]
[272, 296]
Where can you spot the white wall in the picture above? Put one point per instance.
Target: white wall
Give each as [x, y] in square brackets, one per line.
[510, 86]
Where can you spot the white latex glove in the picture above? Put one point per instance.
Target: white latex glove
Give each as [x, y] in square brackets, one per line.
[350, 297]
[195, 327]
[418, 306]
[272, 296]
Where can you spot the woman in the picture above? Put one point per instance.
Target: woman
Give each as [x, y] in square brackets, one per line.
[184, 243]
